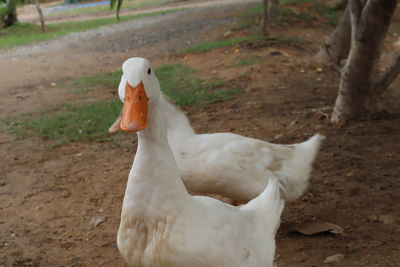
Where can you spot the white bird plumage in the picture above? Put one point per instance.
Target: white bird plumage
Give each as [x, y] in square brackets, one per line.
[236, 166]
[162, 225]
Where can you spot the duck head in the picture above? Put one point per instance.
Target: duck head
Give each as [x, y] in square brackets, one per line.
[137, 87]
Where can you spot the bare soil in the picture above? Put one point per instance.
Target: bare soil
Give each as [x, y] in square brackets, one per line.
[53, 197]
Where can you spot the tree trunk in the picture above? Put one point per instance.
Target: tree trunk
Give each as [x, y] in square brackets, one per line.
[265, 17]
[369, 25]
[41, 17]
[338, 45]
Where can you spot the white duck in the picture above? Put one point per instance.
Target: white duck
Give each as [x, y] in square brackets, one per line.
[161, 224]
[236, 166]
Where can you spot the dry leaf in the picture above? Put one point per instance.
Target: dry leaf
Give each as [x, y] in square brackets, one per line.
[342, 123]
[313, 228]
[334, 258]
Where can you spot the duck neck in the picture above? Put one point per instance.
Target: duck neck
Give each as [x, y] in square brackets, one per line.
[154, 176]
[178, 124]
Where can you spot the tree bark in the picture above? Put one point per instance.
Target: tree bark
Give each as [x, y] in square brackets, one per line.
[41, 17]
[369, 25]
[338, 43]
[265, 17]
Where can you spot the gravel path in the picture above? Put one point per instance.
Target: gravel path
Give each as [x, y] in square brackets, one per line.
[27, 72]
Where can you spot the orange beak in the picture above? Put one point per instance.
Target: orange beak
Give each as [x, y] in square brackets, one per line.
[133, 116]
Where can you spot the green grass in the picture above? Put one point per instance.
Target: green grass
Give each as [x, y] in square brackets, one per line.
[250, 16]
[207, 46]
[287, 38]
[27, 33]
[181, 84]
[69, 123]
[288, 2]
[245, 62]
[331, 15]
[92, 82]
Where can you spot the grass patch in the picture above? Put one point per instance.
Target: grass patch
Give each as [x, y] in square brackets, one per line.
[287, 38]
[330, 14]
[70, 123]
[207, 46]
[285, 15]
[92, 82]
[27, 33]
[288, 2]
[245, 62]
[181, 84]
[90, 122]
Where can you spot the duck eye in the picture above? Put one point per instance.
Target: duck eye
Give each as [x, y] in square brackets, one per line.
[149, 71]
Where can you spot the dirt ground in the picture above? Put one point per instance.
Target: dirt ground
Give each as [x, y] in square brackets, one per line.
[51, 198]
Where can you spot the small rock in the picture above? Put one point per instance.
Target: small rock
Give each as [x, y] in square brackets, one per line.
[320, 70]
[97, 220]
[75, 259]
[228, 33]
[334, 258]
[2, 183]
[387, 219]
[275, 53]
[53, 84]
[321, 116]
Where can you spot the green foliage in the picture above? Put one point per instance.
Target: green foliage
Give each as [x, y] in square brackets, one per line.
[8, 13]
[90, 122]
[207, 46]
[26, 33]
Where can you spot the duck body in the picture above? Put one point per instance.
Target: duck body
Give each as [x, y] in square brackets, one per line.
[236, 166]
[162, 225]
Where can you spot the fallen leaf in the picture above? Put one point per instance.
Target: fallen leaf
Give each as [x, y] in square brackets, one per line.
[385, 219]
[342, 123]
[313, 228]
[334, 258]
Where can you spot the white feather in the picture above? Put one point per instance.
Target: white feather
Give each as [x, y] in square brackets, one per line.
[162, 225]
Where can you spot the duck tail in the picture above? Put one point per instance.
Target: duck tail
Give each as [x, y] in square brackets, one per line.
[295, 174]
[268, 205]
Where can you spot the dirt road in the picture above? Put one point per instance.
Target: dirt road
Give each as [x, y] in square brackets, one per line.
[28, 72]
[60, 206]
